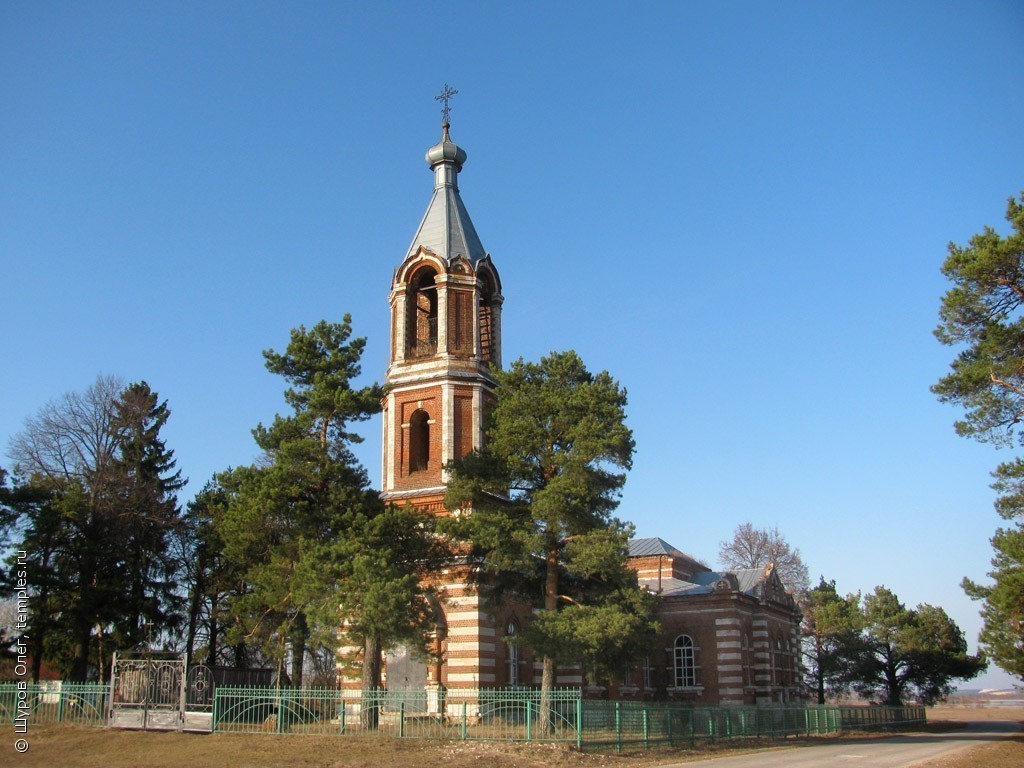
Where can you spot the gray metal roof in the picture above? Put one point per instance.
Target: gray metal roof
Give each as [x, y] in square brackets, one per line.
[655, 546]
[446, 229]
[703, 583]
[650, 547]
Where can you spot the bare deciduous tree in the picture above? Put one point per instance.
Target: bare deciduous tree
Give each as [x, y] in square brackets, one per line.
[71, 437]
[752, 547]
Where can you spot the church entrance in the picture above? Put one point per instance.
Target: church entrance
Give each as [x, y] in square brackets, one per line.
[405, 669]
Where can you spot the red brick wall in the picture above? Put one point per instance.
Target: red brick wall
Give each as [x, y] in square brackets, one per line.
[406, 403]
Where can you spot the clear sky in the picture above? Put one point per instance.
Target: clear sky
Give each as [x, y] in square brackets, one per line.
[739, 209]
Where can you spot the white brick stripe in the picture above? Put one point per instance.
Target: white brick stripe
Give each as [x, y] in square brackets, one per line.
[471, 677]
[470, 662]
[470, 646]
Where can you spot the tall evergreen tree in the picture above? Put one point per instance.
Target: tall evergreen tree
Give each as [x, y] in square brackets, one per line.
[905, 652]
[542, 493]
[983, 316]
[1002, 633]
[831, 626]
[372, 583]
[318, 550]
[208, 580]
[31, 525]
[145, 515]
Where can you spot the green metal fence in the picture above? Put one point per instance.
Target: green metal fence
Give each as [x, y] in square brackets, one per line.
[31, 703]
[639, 724]
[495, 714]
[519, 715]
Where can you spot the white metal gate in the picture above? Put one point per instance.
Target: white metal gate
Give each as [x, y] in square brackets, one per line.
[159, 692]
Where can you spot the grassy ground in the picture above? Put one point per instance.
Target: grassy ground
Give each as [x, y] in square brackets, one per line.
[79, 747]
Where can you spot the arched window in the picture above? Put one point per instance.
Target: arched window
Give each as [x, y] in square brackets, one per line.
[513, 653]
[685, 662]
[419, 441]
[421, 315]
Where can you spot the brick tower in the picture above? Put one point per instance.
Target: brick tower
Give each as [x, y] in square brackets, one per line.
[445, 333]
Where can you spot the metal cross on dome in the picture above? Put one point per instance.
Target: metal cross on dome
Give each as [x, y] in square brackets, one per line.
[446, 110]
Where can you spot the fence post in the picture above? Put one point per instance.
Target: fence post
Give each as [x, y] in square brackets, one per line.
[529, 719]
[579, 723]
[401, 720]
[60, 703]
[668, 726]
[464, 718]
[647, 730]
[213, 714]
[280, 714]
[618, 728]
[341, 714]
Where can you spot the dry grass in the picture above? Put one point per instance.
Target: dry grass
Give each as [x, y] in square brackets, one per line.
[1008, 753]
[79, 747]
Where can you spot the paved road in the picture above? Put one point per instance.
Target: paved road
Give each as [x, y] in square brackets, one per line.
[894, 752]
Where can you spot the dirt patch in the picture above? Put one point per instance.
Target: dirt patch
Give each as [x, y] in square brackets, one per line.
[79, 747]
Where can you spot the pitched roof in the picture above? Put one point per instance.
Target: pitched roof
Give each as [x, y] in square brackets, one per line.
[652, 546]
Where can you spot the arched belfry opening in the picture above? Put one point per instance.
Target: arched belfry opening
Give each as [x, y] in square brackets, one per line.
[486, 319]
[421, 317]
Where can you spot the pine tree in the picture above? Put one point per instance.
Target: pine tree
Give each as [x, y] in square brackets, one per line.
[318, 551]
[903, 652]
[983, 315]
[831, 626]
[1002, 634]
[542, 492]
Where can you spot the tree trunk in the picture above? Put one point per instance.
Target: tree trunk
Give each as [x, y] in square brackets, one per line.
[80, 661]
[195, 601]
[82, 632]
[300, 632]
[370, 710]
[893, 694]
[820, 673]
[211, 642]
[548, 674]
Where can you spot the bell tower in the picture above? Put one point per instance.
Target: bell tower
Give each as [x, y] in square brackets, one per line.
[445, 334]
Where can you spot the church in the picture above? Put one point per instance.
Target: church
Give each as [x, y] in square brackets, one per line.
[728, 637]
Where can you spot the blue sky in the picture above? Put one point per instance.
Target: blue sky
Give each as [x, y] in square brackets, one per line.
[738, 209]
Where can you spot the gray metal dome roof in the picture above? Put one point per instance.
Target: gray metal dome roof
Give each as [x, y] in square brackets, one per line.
[446, 150]
[446, 229]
